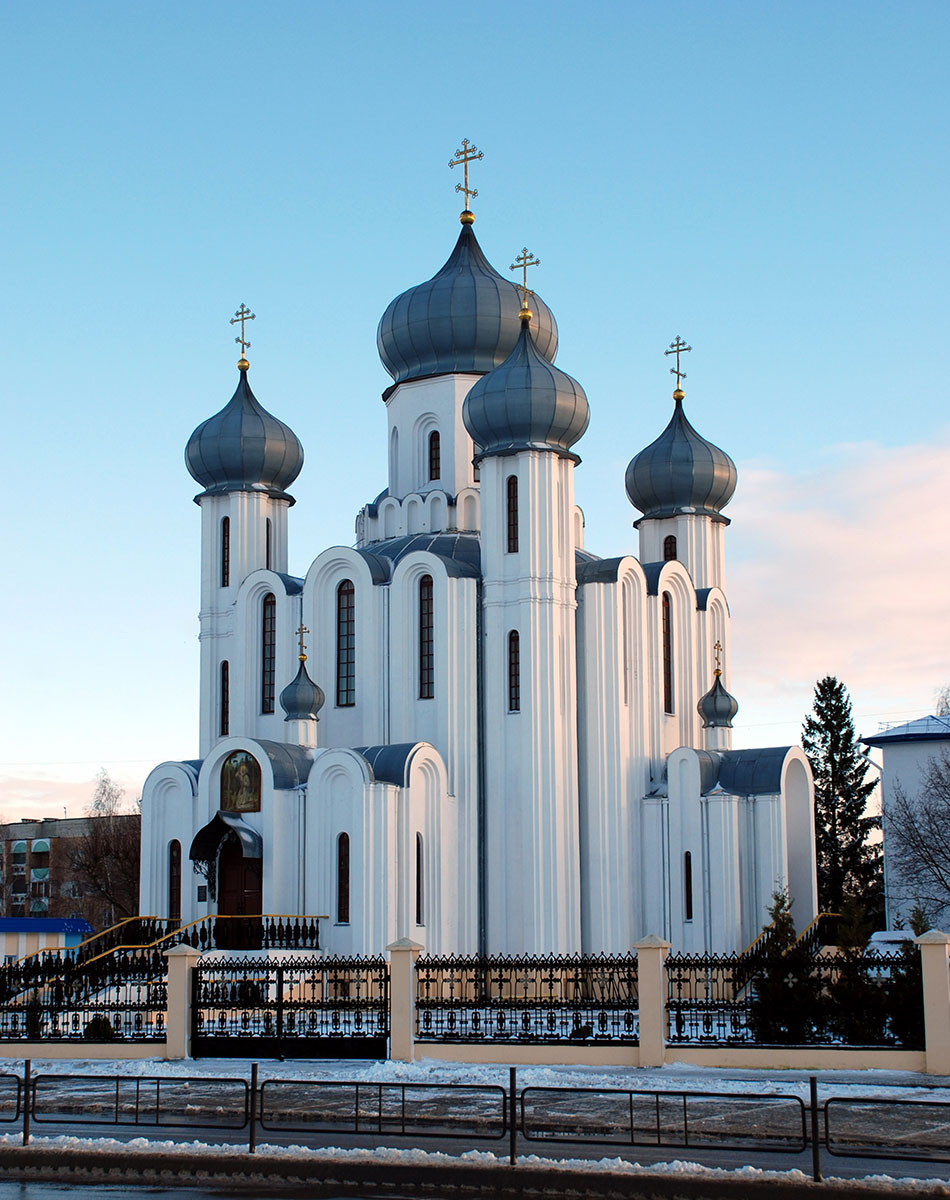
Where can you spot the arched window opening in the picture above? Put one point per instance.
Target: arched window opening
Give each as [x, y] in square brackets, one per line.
[345, 645]
[667, 654]
[343, 879]
[226, 552]
[420, 881]
[225, 725]
[688, 885]
[669, 549]
[426, 640]
[435, 456]
[514, 671]
[512, 489]
[477, 472]
[267, 544]
[394, 462]
[174, 882]
[268, 652]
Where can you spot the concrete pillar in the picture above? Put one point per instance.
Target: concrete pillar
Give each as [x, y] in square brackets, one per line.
[181, 960]
[935, 968]
[402, 998]
[652, 988]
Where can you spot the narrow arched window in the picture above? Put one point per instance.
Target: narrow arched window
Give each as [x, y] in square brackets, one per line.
[669, 548]
[226, 552]
[688, 886]
[512, 513]
[514, 671]
[225, 699]
[667, 654]
[435, 456]
[268, 652]
[426, 640]
[343, 879]
[174, 882]
[345, 645]
[267, 544]
[420, 881]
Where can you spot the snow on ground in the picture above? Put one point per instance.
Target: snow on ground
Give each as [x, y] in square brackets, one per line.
[435, 1158]
[677, 1077]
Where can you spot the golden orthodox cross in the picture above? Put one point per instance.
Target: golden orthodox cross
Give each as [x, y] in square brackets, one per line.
[718, 650]
[300, 631]
[524, 260]
[462, 158]
[243, 314]
[678, 347]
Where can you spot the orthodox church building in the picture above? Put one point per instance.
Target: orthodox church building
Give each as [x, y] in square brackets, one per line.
[465, 728]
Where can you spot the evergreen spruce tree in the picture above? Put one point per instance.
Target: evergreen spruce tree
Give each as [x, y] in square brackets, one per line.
[849, 866]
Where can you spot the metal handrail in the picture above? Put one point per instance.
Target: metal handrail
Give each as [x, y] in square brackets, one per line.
[89, 940]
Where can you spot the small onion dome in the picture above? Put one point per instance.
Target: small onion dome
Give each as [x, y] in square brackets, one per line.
[302, 699]
[243, 448]
[681, 473]
[525, 404]
[465, 318]
[717, 707]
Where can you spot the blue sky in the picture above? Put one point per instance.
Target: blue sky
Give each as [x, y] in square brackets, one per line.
[769, 180]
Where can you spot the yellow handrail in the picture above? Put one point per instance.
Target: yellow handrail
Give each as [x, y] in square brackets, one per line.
[210, 917]
[86, 941]
[811, 924]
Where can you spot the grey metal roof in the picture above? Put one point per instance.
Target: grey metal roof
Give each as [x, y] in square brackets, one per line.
[753, 772]
[680, 473]
[388, 763]
[652, 571]
[460, 552]
[244, 448]
[598, 570]
[290, 764]
[924, 729]
[717, 707]
[525, 404]
[206, 842]
[465, 318]
[302, 699]
[293, 586]
[710, 762]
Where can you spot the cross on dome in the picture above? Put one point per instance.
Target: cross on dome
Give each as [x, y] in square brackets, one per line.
[243, 314]
[463, 157]
[678, 347]
[524, 260]
[300, 631]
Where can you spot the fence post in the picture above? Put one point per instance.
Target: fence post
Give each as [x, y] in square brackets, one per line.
[935, 969]
[181, 960]
[651, 988]
[402, 998]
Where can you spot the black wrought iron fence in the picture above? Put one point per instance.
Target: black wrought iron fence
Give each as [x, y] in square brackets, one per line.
[850, 999]
[120, 998]
[195, 1102]
[557, 998]
[293, 1007]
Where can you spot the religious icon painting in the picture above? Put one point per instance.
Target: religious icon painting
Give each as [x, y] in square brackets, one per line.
[240, 783]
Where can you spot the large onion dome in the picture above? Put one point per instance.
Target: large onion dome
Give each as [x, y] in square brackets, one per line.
[243, 448]
[465, 318]
[525, 404]
[681, 472]
[717, 707]
[302, 699]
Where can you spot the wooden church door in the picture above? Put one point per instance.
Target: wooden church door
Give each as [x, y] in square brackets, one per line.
[240, 893]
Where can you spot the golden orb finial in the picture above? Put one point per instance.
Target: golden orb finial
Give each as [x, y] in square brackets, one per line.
[243, 364]
[678, 394]
[526, 314]
[467, 217]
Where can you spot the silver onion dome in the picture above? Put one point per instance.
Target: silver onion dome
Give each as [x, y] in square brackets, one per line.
[465, 318]
[302, 699]
[527, 403]
[244, 448]
[681, 472]
[717, 707]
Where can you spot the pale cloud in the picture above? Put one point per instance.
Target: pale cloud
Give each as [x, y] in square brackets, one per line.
[842, 568]
[37, 792]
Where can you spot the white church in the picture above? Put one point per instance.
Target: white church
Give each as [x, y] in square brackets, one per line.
[466, 729]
